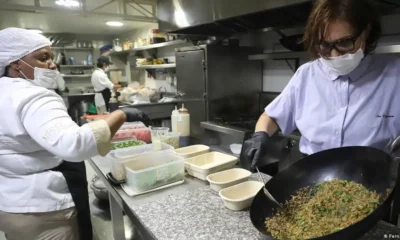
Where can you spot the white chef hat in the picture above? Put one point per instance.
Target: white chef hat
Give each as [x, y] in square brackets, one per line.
[16, 43]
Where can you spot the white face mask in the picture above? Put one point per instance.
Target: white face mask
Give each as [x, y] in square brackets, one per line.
[43, 77]
[343, 65]
[107, 69]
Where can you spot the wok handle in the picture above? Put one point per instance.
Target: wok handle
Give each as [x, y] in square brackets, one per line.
[395, 145]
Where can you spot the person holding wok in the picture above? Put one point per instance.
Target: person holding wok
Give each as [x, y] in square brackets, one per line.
[345, 96]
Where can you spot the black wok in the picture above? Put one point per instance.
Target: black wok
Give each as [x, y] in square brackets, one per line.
[370, 167]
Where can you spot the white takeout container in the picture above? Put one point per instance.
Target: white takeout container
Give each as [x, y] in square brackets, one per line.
[227, 178]
[240, 196]
[152, 170]
[192, 151]
[117, 157]
[203, 165]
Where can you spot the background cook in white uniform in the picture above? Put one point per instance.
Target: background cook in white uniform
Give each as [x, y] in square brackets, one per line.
[102, 83]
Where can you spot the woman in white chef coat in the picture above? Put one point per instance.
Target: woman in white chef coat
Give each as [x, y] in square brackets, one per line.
[102, 84]
[43, 187]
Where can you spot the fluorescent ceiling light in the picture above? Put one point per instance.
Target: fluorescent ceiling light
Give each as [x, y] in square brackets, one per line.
[115, 24]
[68, 3]
[35, 30]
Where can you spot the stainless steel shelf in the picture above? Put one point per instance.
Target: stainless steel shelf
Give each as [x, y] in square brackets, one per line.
[72, 48]
[148, 47]
[282, 55]
[77, 66]
[157, 66]
[77, 76]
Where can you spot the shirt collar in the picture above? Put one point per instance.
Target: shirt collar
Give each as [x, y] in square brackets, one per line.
[100, 69]
[354, 75]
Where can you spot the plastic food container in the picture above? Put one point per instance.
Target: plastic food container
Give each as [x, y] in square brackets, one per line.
[126, 143]
[239, 197]
[152, 170]
[156, 131]
[140, 133]
[192, 151]
[132, 125]
[236, 148]
[224, 179]
[203, 165]
[119, 156]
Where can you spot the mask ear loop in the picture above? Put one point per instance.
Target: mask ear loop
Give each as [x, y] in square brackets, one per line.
[22, 72]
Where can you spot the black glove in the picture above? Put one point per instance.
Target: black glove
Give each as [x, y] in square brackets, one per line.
[135, 115]
[256, 149]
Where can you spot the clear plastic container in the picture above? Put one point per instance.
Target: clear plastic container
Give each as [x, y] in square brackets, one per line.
[151, 170]
[119, 156]
[141, 133]
[132, 125]
[126, 143]
[157, 131]
[171, 138]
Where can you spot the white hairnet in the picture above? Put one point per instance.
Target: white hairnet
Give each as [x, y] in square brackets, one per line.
[16, 43]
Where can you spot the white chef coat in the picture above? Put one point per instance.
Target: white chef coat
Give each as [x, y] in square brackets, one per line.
[60, 82]
[100, 81]
[36, 134]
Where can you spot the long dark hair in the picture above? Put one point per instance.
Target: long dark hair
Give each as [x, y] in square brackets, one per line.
[360, 14]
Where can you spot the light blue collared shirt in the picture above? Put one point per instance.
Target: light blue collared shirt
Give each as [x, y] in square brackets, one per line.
[358, 109]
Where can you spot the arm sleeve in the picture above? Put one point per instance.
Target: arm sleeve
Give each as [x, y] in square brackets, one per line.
[46, 120]
[283, 108]
[104, 81]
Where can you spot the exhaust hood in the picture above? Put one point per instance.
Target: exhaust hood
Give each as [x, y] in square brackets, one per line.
[228, 17]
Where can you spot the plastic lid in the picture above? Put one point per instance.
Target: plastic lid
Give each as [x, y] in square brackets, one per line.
[183, 109]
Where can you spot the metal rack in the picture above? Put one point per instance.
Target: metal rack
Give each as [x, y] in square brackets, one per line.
[390, 49]
[158, 66]
[149, 47]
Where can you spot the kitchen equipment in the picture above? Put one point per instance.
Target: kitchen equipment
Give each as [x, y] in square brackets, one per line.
[119, 156]
[236, 148]
[202, 73]
[239, 197]
[192, 151]
[371, 167]
[267, 194]
[203, 165]
[293, 43]
[224, 179]
[99, 188]
[156, 132]
[151, 170]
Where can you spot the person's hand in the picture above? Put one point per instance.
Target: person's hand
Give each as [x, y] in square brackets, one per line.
[135, 115]
[256, 148]
[117, 86]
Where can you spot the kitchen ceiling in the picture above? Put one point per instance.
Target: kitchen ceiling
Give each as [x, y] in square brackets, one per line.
[50, 19]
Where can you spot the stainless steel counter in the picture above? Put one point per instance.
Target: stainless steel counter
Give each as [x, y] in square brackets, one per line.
[187, 211]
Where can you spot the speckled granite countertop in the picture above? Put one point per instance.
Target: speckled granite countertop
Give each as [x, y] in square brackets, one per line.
[200, 214]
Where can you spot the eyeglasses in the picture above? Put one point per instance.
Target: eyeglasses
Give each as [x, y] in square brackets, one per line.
[343, 46]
